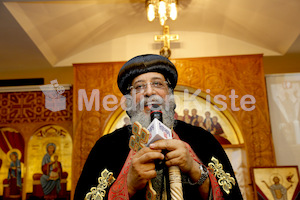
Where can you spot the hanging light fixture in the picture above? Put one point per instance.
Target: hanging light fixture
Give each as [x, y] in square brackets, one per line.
[162, 9]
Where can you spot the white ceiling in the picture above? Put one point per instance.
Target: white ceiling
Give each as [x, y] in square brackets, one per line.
[46, 34]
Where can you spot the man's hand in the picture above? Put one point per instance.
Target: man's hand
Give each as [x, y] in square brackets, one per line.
[177, 154]
[142, 169]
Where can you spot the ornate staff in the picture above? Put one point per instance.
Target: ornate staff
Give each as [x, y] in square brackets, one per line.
[175, 183]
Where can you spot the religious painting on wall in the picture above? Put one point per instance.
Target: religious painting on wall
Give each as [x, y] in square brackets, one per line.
[49, 163]
[276, 183]
[12, 163]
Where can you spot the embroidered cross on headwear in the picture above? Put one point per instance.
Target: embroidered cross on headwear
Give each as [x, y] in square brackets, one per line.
[139, 138]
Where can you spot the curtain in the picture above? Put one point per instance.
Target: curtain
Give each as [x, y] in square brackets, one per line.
[12, 140]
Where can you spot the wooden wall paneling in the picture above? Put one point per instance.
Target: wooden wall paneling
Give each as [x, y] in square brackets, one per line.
[89, 125]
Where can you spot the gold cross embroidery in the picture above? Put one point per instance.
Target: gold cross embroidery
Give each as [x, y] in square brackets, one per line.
[139, 138]
[224, 179]
[105, 180]
[137, 141]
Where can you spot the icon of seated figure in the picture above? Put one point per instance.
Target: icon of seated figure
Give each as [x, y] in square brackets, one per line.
[50, 180]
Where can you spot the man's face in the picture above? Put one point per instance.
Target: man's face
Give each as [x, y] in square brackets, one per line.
[194, 112]
[200, 119]
[185, 112]
[149, 78]
[141, 100]
[215, 120]
[207, 114]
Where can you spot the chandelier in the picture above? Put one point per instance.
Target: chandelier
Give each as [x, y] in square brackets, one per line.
[162, 9]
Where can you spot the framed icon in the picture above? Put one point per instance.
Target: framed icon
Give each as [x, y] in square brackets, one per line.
[274, 183]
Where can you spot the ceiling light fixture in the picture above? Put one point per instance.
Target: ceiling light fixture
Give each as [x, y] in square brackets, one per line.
[162, 9]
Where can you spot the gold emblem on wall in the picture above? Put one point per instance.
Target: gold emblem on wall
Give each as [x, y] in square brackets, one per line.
[166, 38]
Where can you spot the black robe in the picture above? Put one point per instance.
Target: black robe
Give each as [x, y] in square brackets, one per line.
[111, 151]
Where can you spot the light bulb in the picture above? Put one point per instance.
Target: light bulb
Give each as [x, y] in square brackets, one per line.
[173, 11]
[151, 12]
[162, 10]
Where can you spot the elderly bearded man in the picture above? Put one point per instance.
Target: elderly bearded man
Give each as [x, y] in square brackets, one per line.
[205, 169]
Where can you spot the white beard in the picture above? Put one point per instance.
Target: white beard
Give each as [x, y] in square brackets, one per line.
[136, 112]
